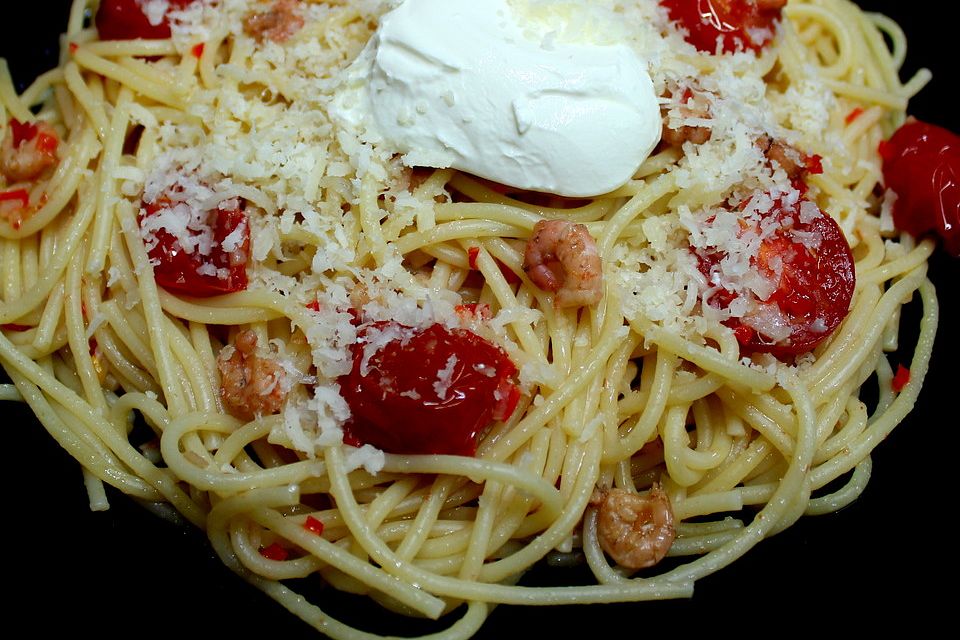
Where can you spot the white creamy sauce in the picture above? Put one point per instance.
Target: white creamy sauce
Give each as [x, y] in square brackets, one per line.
[477, 87]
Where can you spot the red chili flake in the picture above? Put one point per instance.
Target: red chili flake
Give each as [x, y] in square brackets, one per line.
[274, 552]
[11, 326]
[474, 310]
[472, 254]
[814, 164]
[73, 46]
[197, 50]
[22, 131]
[47, 144]
[853, 115]
[508, 273]
[313, 526]
[314, 306]
[901, 378]
[16, 194]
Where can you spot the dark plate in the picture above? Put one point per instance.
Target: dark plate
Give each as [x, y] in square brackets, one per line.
[888, 557]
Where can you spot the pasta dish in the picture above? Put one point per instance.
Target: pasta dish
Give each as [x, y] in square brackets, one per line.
[622, 299]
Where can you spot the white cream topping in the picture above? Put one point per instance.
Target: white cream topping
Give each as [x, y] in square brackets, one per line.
[515, 99]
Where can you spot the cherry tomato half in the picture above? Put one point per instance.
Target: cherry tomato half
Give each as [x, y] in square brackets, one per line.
[739, 24]
[195, 274]
[921, 164]
[810, 263]
[125, 20]
[426, 391]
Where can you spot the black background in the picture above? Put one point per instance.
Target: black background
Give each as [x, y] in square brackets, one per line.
[888, 558]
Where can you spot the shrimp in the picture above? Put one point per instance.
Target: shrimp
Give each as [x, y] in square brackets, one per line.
[278, 23]
[562, 257]
[637, 531]
[676, 137]
[794, 162]
[693, 106]
[28, 150]
[251, 385]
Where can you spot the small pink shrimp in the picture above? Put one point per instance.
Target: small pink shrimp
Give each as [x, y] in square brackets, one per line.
[676, 137]
[637, 531]
[278, 23]
[28, 150]
[694, 106]
[562, 257]
[251, 385]
[793, 161]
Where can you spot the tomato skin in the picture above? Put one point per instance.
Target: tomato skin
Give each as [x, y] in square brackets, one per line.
[125, 20]
[921, 164]
[274, 552]
[22, 132]
[740, 24]
[176, 270]
[396, 405]
[314, 526]
[16, 195]
[815, 286]
[901, 379]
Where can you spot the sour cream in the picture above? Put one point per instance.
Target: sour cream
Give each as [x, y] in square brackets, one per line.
[499, 90]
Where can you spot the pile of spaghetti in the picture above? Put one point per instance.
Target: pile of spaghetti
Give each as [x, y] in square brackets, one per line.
[202, 267]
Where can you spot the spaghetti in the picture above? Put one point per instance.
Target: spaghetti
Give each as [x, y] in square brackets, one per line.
[765, 433]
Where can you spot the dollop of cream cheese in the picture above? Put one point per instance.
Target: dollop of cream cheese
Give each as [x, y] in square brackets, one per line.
[504, 93]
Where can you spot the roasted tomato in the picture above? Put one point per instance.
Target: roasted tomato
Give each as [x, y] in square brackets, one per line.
[737, 24]
[126, 20]
[808, 269]
[427, 390]
[921, 164]
[216, 262]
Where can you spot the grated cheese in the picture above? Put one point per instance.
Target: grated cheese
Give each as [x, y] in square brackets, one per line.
[267, 125]
[154, 10]
[445, 378]
[368, 457]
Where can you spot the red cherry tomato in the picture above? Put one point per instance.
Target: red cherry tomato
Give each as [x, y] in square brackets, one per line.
[921, 164]
[125, 20]
[739, 24]
[427, 390]
[178, 271]
[813, 269]
[901, 379]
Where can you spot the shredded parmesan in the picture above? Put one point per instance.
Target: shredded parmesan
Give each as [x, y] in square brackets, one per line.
[445, 378]
[302, 176]
[154, 10]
